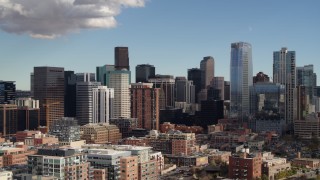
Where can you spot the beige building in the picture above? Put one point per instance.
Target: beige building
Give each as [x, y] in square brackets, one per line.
[306, 162]
[14, 155]
[100, 174]
[129, 168]
[100, 133]
[273, 165]
[308, 127]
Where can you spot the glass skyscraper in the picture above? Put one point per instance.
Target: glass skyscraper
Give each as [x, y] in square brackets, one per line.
[284, 72]
[240, 79]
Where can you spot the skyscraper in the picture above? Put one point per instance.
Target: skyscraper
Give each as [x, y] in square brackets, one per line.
[284, 72]
[207, 71]
[120, 81]
[194, 75]
[240, 79]
[102, 104]
[144, 72]
[103, 74]
[49, 90]
[70, 80]
[121, 58]
[306, 77]
[218, 83]
[166, 84]
[84, 105]
[7, 91]
[145, 105]
[184, 90]
[86, 77]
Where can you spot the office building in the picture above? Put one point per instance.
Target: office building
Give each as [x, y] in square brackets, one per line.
[49, 90]
[102, 104]
[60, 163]
[267, 107]
[166, 84]
[194, 75]
[240, 79]
[86, 77]
[32, 84]
[84, 101]
[121, 58]
[120, 81]
[7, 91]
[70, 95]
[184, 90]
[306, 77]
[144, 72]
[130, 170]
[145, 105]
[207, 71]
[227, 90]
[284, 72]
[261, 77]
[103, 74]
[211, 112]
[8, 119]
[100, 133]
[302, 106]
[308, 127]
[218, 83]
[28, 114]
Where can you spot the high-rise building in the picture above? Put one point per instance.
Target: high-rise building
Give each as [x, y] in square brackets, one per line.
[120, 81]
[49, 90]
[302, 103]
[184, 90]
[28, 114]
[218, 83]
[211, 112]
[103, 74]
[84, 99]
[86, 77]
[306, 77]
[145, 105]
[194, 75]
[125, 125]
[144, 72]
[102, 104]
[32, 84]
[227, 90]
[284, 72]
[8, 119]
[166, 84]
[70, 80]
[7, 91]
[121, 58]
[240, 79]
[261, 77]
[207, 71]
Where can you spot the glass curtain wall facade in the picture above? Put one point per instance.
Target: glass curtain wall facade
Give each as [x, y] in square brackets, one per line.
[240, 79]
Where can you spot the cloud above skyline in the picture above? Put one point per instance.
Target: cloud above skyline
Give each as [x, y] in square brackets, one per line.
[49, 19]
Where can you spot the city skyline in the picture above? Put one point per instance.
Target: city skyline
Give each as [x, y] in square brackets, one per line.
[180, 37]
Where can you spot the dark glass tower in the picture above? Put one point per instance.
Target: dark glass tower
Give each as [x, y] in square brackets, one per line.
[70, 80]
[121, 58]
[49, 90]
[194, 75]
[7, 91]
[144, 72]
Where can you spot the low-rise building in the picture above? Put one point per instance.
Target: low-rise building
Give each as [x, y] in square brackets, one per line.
[60, 163]
[129, 168]
[100, 133]
[245, 165]
[306, 162]
[6, 175]
[14, 155]
[195, 160]
[273, 165]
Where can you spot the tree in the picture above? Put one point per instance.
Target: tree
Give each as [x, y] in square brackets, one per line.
[264, 177]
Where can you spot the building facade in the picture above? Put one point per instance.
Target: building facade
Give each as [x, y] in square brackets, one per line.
[145, 105]
[240, 79]
[284, 72]
[121, 58]
[7, 91]
[49, 90]
[144, 72]
[194, 75]
[102, 104]
[103, 74]
[166, 84]
[207, 71]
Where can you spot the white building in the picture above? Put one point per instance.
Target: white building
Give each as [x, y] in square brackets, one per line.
[102, 104]
[120, 82]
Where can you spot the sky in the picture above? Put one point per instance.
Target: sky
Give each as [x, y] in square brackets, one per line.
[172, 35]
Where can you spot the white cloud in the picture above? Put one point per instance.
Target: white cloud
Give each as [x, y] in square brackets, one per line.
[52, 18]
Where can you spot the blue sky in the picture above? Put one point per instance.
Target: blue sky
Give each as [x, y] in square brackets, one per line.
[174, 35]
